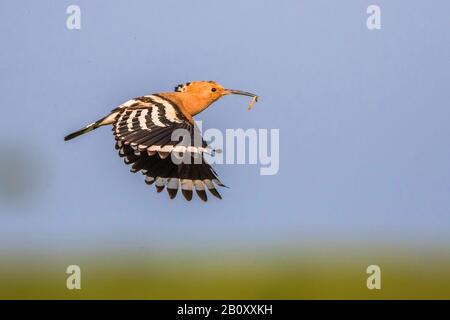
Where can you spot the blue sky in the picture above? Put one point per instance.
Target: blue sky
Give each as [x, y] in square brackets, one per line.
[363, 118]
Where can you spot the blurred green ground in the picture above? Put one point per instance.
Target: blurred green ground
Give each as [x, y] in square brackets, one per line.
[328, 274]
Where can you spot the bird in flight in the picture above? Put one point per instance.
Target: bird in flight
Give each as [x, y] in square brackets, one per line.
[144, 130]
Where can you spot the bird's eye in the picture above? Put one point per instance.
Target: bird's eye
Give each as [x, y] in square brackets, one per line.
[213, 89]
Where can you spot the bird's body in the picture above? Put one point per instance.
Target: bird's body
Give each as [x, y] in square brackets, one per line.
[144, 127]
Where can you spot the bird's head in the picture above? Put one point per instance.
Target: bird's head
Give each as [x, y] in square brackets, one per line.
[204, 93]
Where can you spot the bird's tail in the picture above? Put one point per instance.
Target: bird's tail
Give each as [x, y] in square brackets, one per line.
[84, 130]
[103, 121]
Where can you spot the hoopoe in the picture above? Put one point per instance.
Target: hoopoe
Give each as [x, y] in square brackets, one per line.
[143, 130]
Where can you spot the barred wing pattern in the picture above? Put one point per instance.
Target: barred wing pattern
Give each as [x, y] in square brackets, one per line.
[143, 130]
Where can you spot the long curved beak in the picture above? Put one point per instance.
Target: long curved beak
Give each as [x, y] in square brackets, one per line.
[242, 93]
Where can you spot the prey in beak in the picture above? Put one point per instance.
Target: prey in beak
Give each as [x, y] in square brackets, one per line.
[243, 93]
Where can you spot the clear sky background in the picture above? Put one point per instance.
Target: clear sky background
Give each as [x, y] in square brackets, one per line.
[363, 118]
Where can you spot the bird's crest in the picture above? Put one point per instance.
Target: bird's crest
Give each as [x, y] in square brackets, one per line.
[182, 87]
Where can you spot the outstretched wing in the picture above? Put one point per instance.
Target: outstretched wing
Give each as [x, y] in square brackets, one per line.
[143, 130]
[147, 123]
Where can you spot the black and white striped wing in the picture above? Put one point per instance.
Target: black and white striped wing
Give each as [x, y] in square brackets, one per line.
[147, 124]
[143, 131]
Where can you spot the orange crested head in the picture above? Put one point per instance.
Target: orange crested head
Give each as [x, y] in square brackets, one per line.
[198, 95]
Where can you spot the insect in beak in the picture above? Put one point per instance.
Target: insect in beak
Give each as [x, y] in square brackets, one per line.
[243, 93]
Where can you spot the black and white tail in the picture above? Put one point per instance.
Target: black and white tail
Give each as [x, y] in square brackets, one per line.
[97, 124]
